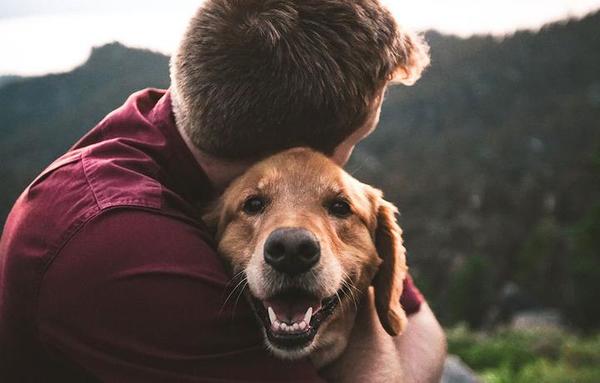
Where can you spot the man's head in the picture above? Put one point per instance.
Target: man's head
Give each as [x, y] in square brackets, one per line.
[254, 77]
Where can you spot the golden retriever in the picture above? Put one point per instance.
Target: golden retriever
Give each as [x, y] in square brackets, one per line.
[309, 240]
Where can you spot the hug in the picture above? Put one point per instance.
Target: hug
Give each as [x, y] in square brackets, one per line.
[208, 233]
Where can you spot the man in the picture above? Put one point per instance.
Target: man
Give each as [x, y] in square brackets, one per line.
[106, 269]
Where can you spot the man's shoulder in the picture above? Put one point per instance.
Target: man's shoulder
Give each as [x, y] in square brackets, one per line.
[138, 238]
[119, 163]
[77, 186]
[118, 174]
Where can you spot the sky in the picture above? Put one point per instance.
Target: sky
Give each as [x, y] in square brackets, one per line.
[44, 36]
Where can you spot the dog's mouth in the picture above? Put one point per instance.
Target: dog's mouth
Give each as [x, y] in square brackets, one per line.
[292, 318]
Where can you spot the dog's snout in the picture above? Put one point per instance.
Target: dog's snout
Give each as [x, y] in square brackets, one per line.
[292, 250]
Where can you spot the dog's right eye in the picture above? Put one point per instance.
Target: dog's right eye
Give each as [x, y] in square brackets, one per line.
[339, 208]
[254, 205]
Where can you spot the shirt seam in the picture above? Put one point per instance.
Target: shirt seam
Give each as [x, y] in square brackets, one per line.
[87, 178]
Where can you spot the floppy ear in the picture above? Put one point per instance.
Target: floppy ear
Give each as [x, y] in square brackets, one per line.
[388, 281]
[213, 216]
[411, 53]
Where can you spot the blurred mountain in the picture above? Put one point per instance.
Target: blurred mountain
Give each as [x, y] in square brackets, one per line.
[493, 158]
[7, 79]
[42, 117]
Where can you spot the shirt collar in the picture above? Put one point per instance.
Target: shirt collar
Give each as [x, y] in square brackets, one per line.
[187, 175]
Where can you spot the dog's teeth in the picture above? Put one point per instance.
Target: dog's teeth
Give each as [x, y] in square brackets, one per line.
[272, 316]
[278, 325]
[308, 315]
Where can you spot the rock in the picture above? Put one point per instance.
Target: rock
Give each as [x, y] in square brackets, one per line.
[537, 319]
[456, 371]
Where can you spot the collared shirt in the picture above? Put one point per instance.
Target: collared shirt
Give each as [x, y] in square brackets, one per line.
[108, 273]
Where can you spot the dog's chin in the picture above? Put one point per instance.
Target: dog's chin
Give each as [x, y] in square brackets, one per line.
[291, 321]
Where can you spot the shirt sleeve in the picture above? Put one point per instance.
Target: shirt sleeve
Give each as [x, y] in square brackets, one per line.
[411, 298]
[136, 296]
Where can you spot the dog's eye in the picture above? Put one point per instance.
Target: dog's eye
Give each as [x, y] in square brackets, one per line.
[254, 205]
[339, 208]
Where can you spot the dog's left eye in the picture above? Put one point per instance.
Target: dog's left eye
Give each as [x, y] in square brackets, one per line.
[339, 208]
[254, 205]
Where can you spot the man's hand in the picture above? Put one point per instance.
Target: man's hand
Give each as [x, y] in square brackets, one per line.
[416, 356]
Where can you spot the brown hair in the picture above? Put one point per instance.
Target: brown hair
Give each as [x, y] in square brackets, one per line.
[253, 77]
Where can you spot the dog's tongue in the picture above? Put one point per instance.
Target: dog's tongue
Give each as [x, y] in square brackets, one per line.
[292, 308]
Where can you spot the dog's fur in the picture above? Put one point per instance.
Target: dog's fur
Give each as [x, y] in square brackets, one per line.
[362, 249]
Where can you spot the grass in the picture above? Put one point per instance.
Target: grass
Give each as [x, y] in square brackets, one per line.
[509, 356]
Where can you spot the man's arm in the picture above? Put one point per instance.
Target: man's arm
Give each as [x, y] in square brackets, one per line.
[416, 356]
[138, 296]
[422, 348]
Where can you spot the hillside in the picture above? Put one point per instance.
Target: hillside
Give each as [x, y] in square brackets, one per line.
[493, 158]
[7, 79]
[42, 117]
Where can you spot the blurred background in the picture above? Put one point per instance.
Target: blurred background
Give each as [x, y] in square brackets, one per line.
[493, 157]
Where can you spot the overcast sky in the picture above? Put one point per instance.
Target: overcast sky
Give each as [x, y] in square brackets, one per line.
[41, 36]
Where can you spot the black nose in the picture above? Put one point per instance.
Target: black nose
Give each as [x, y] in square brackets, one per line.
[292, 250]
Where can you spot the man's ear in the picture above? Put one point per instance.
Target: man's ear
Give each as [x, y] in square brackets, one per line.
[412, 57]
[388, 281]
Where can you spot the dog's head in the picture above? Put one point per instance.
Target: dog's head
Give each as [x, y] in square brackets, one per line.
[310, 239]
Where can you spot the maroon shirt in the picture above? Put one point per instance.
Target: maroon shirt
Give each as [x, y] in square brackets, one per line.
[107, 271]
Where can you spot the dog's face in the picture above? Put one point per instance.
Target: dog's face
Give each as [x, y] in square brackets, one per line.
[309, 239]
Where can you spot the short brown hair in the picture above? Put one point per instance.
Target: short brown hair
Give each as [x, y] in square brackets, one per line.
[254, 77]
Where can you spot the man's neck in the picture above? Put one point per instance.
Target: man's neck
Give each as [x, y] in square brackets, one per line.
[219, 171]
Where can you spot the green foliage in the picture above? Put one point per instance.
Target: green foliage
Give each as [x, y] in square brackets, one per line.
[549, 356]
[584, 271]
[469, 291]
[481, 352]
[548, 372]
[538, 263]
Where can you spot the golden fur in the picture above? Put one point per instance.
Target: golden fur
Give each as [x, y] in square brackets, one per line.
[362, 249]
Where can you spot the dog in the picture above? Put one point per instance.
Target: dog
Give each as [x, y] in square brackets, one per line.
[309, 240]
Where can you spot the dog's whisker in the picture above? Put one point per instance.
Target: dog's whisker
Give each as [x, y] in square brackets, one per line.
[348, 281]
[238, 298]
[241, 282]
[349, 293]
[350, 289]
[340, 301]
[233, 279]
[235, 288]
[351, 285]
[236, 279]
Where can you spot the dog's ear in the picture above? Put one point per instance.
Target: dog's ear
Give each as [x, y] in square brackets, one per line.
[213, 216]
[411, 53]
[388, 281]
